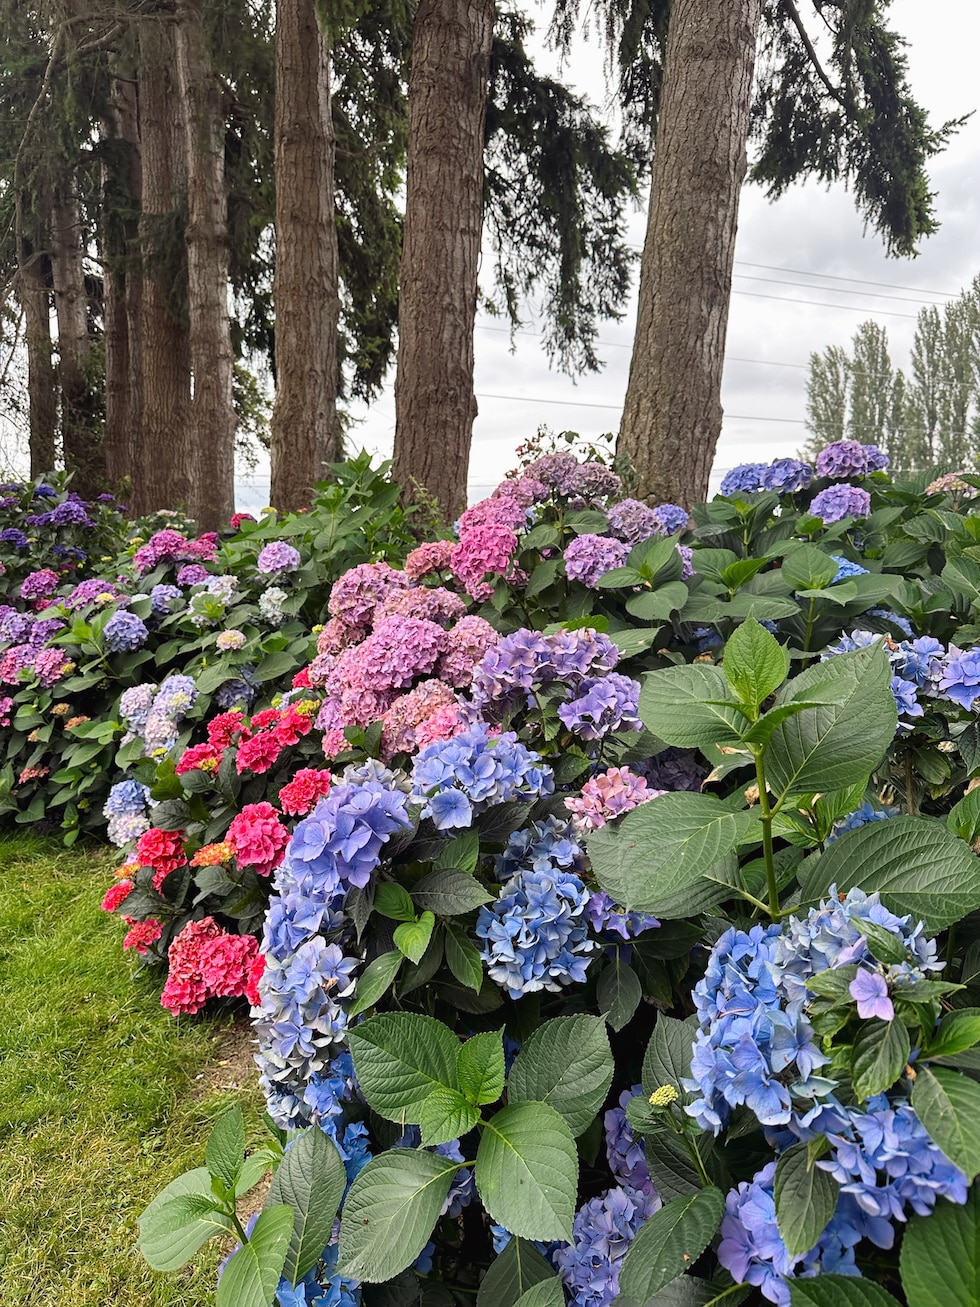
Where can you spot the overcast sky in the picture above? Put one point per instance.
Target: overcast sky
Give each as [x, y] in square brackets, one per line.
[803, 268]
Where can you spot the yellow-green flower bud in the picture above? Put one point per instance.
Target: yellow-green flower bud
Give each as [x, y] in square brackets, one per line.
[664, 1096]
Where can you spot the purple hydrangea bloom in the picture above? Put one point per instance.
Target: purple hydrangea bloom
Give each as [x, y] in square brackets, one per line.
[192, 574]
[557, 471]
[483, 769]
[624, 1150]
[837, 502]
[588, 557]
[124, 632]
[869, 989]
[786, 476]
[746, 478]
[70, 513]
[602, 1232]
[632, 520]
[519, 663]
[595, 481]
[13, 536]
[39, 585]
[276, 557]
[842, 459]
[603, 704]
[343, 836]
[164, 597]
[16, 627]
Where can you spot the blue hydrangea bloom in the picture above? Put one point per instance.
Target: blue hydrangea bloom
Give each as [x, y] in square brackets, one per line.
[340, 841]
[670, 518]
[840, 501]
[786, 476]
[746, 478]
[545, 845]
[602, 1232]
[860, 817]
[961, 676]
[603, 704]
[482, 769]
[624, 1150]
[536, 935]
[846, 568]
[126, 798]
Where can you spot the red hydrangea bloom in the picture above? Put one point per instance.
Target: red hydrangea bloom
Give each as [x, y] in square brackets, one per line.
[301, 681]
[116, 894]
[300, 794]
[258, 754]
[238, 518]
[292, 725]
[223, 728]
[259, 837]
[256, 970]
[142, 934]
[199, 757]
[206, 962]
[163, 850]
[267, 717]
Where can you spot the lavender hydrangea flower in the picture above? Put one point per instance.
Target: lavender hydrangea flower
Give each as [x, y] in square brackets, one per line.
[632, 520]
[869, 989]
[276, 557]
[124, 632]
[519, 663]
[603, 704]
[595, 481]
[837, 502]
[588, 557]
[164, 597]
[602, 1232]
[961, 676]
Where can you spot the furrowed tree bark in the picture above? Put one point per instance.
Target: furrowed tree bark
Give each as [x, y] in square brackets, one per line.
[305, 430]
[121, 197]
[163, 462]
[434, 401]
[34, 295]
[672, 414]
[212, 411]
[81, 416]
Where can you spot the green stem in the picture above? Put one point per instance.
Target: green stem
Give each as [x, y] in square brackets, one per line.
[950, 945]
[765, 813]
[240, 1229]
[692, 1148]
[809, 627]
[910, 784]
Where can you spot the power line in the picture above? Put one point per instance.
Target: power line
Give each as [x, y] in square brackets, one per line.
[857, 281]
[819, 304]
[615, 408]
[868, 294]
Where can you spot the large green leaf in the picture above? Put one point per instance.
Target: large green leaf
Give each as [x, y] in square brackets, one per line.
[948, 1105]
[446, 1115]
[690, 706]
[618, 992]
[916, 865]
[808, 568]
[671, 1241]
[661, 849]
[878, 1056]
[547, 1293]
[375, 980]
[225, 1150]
[668, 1057]
[311, 1179]
[449, 893]
[671, 1166]
[518, 1268]
[180, 1220]
[941, 1256]
[390, 1211]
[251, 1276]
[566, 1063]
[480, 1067]
[806, 1198]
[400, 1059]
[755, 663]
[527, 1171]
[840, 742]
[840, 1291]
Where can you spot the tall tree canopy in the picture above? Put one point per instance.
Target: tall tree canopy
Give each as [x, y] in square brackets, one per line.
[830, 99]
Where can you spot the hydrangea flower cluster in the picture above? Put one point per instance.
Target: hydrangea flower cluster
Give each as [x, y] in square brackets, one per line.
[154, 713]
[206, 962]
[603, 704]
[785, 476]
[849, 458]
[837, 502]
[921, 667]
[277, 557]
[124, 632]
[456, 778]
[607, 795]
[589, 557]
[521, 663]
[169, 547]
[602, 1232]
[126, 810]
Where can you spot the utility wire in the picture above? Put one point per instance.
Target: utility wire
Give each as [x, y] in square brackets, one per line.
[867, 294]
[857, 281]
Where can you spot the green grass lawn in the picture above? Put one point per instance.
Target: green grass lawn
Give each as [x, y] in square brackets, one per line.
[104, 1097]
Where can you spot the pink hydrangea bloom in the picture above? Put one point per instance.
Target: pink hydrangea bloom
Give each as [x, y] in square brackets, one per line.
[609, 795]
[51, 665]
[435, 605]
[400, 722]
[337, 636]
[428, 558]
[206, 962]
[466, 643]
[334, 742]
[116, 895]
[357, 594]
[486, 548]
[259, 837]
[142, 934]
[443, 724]
[498, 510]
[258, 754]
[300, 794]
[398, 650]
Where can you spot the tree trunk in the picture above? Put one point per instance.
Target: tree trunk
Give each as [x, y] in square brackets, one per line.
[121, 192]
[434, 401]
[42, 384]
[163, 463]
[81, 417]
[305, 431]
[212, 411]
[672, 414]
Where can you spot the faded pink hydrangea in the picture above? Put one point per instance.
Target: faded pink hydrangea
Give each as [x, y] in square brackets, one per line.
[349, 700]
[435, 605]
[466, 643]
[401, 721]
[397, 651]
[498, 510]
[337, 636]
[524, 490]
[356, 595]
[609, 795]
[427, 559]
[334, 742]
[442, 725]
[51, 666]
